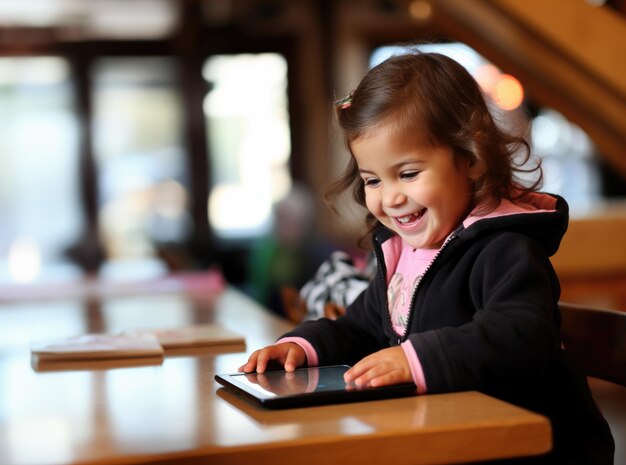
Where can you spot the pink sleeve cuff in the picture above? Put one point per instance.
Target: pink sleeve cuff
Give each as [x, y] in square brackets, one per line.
[311, 354]
[416, 367]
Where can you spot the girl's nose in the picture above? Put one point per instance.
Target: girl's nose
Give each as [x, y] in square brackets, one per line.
[393, 197]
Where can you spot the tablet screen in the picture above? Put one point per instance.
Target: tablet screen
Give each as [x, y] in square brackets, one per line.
[306, 386]
[301, 381]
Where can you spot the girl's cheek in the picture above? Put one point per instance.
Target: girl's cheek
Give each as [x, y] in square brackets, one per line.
[372, 205]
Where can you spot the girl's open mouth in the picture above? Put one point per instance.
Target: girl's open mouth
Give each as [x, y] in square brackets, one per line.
[409, 220]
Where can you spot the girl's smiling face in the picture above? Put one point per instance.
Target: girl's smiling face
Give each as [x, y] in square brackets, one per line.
[419, 191]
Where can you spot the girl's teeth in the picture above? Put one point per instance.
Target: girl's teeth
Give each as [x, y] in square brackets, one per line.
[406, 219]
[409, 218]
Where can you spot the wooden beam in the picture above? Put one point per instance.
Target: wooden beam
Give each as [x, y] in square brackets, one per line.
[555, 70]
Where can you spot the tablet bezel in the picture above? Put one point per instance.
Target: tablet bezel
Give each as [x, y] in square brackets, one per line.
[232, 382]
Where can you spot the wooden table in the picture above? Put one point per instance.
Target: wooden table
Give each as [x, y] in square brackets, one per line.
[175, 413]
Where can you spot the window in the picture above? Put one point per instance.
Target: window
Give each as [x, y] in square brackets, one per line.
[39, 199]
[249, 141]
[137, 127]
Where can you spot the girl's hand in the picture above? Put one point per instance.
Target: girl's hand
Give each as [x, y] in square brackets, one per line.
[387, 366]
[288, 354]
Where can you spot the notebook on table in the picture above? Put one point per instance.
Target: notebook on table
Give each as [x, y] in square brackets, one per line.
[95, 351]
[196, 336]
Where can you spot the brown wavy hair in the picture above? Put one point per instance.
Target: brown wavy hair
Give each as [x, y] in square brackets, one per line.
[434, 97]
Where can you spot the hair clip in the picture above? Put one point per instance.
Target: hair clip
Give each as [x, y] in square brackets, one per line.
[345, 102]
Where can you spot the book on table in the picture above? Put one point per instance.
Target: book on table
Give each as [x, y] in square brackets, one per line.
[204, 336]
[136, 346]
[95, 351]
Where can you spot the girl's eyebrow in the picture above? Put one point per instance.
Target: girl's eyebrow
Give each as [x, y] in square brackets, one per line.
[397, 165]
[412, 161]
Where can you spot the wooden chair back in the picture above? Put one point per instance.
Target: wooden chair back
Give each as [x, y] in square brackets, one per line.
[597, 339]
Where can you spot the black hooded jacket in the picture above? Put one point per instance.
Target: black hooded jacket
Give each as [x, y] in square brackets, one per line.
[484, 317]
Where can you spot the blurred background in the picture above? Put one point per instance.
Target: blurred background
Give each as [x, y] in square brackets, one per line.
[141, 138]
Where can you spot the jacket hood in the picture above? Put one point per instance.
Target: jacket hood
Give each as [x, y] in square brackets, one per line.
[543, 217]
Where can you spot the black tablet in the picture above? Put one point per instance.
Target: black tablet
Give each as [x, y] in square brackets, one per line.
[305, 387]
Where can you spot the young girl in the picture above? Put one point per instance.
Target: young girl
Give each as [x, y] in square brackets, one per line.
[465, 297]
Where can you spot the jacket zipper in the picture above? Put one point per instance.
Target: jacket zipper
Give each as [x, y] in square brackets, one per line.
[401, 339]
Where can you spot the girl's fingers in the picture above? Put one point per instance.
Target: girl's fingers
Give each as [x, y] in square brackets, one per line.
[250, 365]
[290, 363]
[288, 355]
[358, 370]
[293, 359]
[376, 376]
[261, 363]
[368, 376]
[257, 362]
[383, 379]
[387, 366]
